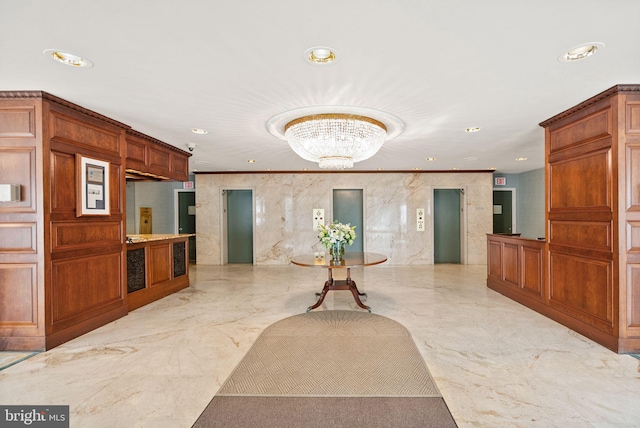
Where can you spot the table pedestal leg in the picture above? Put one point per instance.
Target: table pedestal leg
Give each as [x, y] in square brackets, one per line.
[347, 284]
[321, 296]
[356, 293]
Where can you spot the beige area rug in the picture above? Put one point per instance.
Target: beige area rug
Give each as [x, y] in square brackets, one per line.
[326, 369]
[336, 354]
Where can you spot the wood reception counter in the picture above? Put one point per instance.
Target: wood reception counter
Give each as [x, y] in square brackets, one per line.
[515, 268]
[591, 260]
[157, 265]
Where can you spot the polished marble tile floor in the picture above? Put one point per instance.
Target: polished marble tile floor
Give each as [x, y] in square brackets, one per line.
[9, 358]
[497, 363]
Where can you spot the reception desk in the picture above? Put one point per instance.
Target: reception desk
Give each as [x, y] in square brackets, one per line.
[157, 265]
[520, 269]
[516, 268]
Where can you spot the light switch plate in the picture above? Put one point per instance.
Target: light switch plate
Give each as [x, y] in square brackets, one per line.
[420, 219]
[318, 218]
[9, 193]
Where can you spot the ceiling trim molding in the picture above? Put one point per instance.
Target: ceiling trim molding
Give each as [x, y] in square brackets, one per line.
[591, 101]
[167, 146]
[14, 95]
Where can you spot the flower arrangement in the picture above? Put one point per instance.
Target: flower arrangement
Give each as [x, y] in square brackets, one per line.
[336, 235]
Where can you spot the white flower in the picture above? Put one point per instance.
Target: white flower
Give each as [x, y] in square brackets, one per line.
[336, 232]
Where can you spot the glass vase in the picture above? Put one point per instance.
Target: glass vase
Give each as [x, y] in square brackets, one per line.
[336, 252]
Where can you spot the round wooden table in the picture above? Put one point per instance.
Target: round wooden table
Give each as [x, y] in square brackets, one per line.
[349, 260]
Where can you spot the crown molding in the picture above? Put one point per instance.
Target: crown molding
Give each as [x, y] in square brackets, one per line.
[591, 101]
[15, 95]
[167, 146]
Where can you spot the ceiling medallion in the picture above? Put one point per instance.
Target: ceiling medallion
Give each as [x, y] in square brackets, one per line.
[335, 137]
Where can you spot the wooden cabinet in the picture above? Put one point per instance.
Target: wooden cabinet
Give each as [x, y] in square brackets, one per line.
[64, 274]
[593, 220]
[156, 269]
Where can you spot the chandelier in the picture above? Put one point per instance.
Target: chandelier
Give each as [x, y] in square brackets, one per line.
[335, 140]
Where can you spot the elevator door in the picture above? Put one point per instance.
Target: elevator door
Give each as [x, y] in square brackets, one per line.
[348, 208]
[239, 226]
[446, 225]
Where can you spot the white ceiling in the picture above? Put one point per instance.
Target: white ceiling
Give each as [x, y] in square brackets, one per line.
[164, 67]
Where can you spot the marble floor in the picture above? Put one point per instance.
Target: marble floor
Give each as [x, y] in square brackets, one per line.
[497, 363]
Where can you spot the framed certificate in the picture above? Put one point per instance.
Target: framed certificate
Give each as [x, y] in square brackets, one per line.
[92, 196]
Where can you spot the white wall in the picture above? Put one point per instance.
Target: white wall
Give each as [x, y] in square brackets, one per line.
[530, 194]
[159, 196]
[530, 203]
[285, 202]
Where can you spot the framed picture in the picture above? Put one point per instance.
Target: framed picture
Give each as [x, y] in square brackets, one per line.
[93, 186]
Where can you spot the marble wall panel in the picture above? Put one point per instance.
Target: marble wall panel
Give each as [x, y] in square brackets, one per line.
[284, 206]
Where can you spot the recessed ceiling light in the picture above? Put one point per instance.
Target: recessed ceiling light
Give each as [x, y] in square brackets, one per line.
[321, 55]
[454, 168]
[201, 162]
[417, 168]
[199, 131]
[68, 58]
[380, 169]
[581, 52]
[431, 159]
[471, 158]
[473, 129]
[493, 168]
[251, 161]
[521, 159]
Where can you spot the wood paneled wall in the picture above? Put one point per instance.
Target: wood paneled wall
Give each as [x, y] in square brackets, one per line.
[22, 304]
[156, 158]
[61, 274]
[593, 211]
[85, 256]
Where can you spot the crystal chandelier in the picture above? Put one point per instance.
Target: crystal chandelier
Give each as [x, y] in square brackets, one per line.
[335, 140]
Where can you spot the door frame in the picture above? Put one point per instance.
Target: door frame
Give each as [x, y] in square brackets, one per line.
[224, 237]
[463, 221]
[176, 208]
[364, 210]
[513, 204]
[176, 214]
